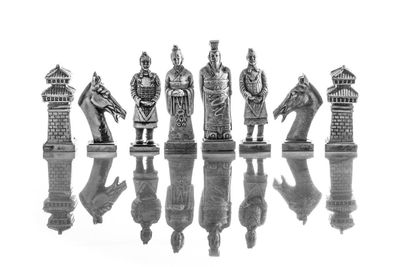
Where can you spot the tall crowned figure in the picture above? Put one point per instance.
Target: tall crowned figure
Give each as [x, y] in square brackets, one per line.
[216, 91]
[145, 91]
[253, 86]
[180, 102]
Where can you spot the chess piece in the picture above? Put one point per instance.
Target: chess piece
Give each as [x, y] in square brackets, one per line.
[341, 201]
[305, 100]
[342, 96]
[253, 86]
[95, 196]
[59, 97]
[304, 196]
[146, 208]
[180, 103]
[216, 91]
[253, 209]
[179, 204]
[145, 91]
[215, 204]
[94, 101]
[60, 203]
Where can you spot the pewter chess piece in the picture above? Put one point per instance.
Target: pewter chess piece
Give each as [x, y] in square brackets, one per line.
[146, 208]
[94, 101]
[341, 201]
[253, 86]
[216, 91]
[95, 196]
[145, 91]
[179, 205]
[180, 103]
[253, 209]
[59, 97]
[60, 203]
[215, 204]
[305, 100]
[304, 196]
[342, 96]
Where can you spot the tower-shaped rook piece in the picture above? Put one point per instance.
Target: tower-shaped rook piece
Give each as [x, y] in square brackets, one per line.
[59, 97]
[342, 96]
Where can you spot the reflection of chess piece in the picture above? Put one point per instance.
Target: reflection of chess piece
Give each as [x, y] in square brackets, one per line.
[253, 209]
[180, 196]
[304, 196]
[95, 196]
[341, 201]
[146, 208]
[215, 204]
[60, 203]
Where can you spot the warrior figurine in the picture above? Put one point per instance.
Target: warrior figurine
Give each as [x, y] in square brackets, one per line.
[216, 91]
[253, 86]
[145, 91]
[180, 95]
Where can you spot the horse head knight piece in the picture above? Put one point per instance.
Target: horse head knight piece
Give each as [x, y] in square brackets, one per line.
[94, 101]
[305, 100]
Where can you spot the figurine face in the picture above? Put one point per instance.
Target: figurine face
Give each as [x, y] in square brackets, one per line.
[145, 64]
[177, 59]
[214, 57]
[252, 59]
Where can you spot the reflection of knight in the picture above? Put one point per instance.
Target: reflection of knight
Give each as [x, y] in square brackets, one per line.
[253, 86]
[253, 210]
[341, 201]
[95, 196]
[60, 202]
[304, 196]
[215, 87]
[179, 204]
[215, 204]
[146, 208]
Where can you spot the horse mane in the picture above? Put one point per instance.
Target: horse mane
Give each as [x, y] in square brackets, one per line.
[316, 93]
[84, 94]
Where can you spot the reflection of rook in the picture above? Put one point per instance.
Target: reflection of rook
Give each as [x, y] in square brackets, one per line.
[215, 204]
[304, 196]
[341, 201]
[60, 203]
[180, 196]
[146, 208]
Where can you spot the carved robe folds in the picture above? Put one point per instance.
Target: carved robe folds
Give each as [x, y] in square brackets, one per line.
[254, 83]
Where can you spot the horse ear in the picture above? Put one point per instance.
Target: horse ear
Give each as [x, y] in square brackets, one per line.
[303, 80]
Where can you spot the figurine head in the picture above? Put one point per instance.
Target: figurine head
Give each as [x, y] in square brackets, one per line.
[146, 234]
[251, 57]
[176, 56]
[214, 56]
[145, 61]
[177, 240]
[251, 238]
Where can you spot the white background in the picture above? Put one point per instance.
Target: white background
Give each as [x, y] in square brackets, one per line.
[290, 38]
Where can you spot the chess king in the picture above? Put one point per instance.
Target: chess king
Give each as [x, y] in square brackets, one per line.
[253, 86]
[215, 88]
[145, 91]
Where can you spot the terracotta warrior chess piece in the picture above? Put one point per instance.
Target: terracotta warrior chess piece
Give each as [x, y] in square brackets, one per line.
[94, 101]
[95, 196]
[342, 96]
[59, 97]
[305, 100]
[145, 91]
[253, 86]
[216, 91]
[180, 103]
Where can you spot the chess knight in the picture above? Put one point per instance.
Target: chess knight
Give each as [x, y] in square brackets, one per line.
[253, 86]
[215, 88]
[145, 91]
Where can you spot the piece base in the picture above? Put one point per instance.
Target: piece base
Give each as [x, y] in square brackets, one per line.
[101, 147]
[298, 154]
[101, 154]
[68, 147]
[255, 155]
[144, 149]
[254, 146]
[225, 145]
[297, 146]
[340, 147]
[180, 147]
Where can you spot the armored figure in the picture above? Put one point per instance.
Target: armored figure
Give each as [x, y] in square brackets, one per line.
[253, 86]
[145, 91]
[216, 91]
[180, 100]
